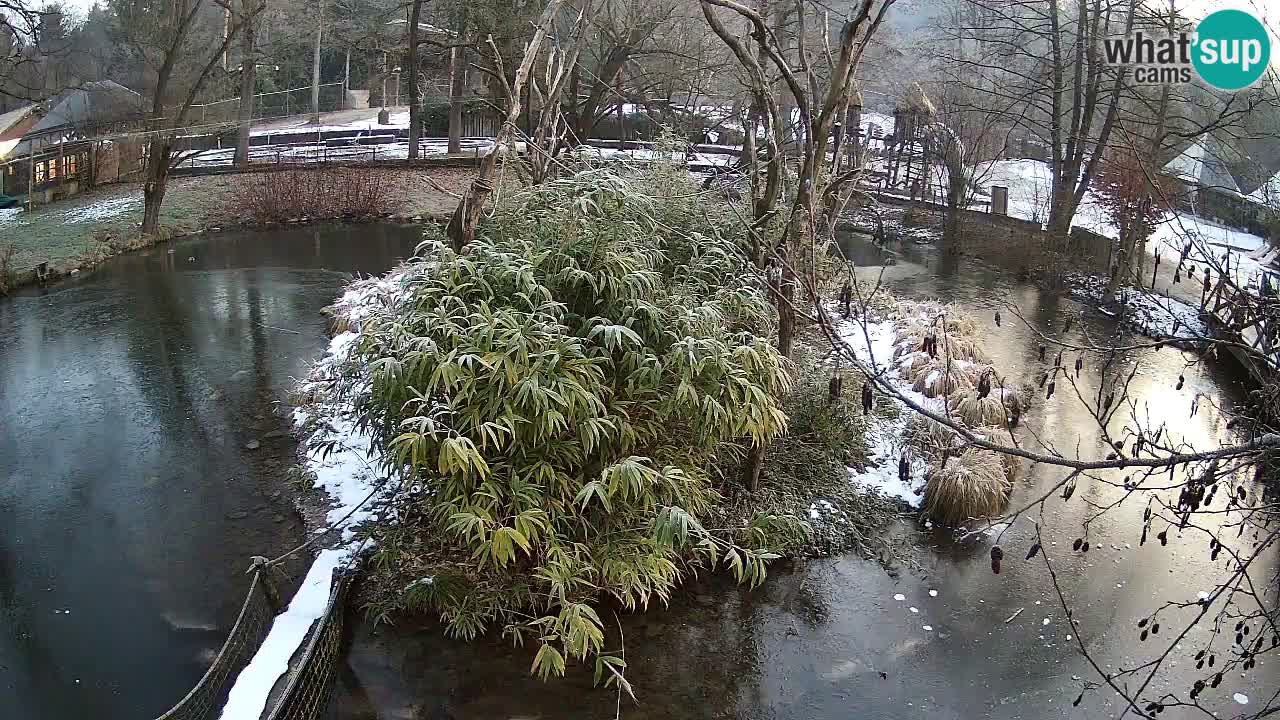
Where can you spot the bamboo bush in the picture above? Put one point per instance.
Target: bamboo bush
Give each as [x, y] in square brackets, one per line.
[569, 395]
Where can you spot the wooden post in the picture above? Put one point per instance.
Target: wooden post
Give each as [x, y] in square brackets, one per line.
[31, 175]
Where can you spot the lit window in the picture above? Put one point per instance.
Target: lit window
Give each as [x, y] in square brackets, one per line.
[53, 170]
[39, 173]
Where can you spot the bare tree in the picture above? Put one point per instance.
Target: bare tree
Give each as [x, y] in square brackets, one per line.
[165, 35]
[249, 10]
[465, 218]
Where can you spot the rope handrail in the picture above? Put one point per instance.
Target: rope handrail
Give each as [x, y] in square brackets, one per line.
[198, 703]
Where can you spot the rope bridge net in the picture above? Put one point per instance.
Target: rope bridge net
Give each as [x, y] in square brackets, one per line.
[307, 691]
[254, 622]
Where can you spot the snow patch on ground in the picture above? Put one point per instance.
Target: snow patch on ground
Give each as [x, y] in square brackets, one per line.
[886, 437]
[1153, 315]
[249, 696]
[102, 210]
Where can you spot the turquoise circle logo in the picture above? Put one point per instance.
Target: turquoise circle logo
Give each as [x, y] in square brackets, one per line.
[1232, 49]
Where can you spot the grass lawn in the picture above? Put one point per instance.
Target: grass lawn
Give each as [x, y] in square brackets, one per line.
[104, 221]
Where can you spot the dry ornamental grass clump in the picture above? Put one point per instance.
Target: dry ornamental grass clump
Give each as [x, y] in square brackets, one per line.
[973, 484]
[940, 355]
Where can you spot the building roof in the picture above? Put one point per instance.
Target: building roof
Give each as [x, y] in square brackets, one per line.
[1204, 164]
[13, 125]
[92, 104]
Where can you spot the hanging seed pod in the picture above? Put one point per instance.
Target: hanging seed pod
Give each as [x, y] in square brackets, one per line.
[1050, 393]
[1155, 629]
[1076, 545]
[1217, 679]
[1163, 537]
[1242, 493]
[1143, 623]
[1212, 658]
[1143, 539]
[1033, 550]
[1143, 636]
[1043, 350]
[997, 554]
[1084, 548]
[1076, 702]
[997, 318]
[1181, 380]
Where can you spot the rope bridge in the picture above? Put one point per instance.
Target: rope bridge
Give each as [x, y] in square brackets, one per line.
[309, 684]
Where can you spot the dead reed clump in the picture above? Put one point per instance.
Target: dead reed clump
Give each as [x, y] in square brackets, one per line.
[972, 485]
[932, 438]
[975, 410]
[938, 377]
[286, 195]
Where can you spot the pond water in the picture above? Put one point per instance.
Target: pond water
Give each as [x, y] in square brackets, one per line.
[129, 504]
[827, 639]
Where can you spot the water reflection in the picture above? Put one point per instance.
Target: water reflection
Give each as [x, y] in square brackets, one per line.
[128, 504]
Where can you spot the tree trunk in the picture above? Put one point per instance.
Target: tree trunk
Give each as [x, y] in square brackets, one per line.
[755, 464]
[786, 304]
[315, 67]
[466, 217]
[156, 185]
[457, 83]
[415, 104]
[248, 86]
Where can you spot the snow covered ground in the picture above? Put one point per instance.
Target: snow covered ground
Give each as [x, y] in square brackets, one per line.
[90, 212]
[371, 125]
[1028, 182]
[643, 154]
[886, 437]
[345, 462]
